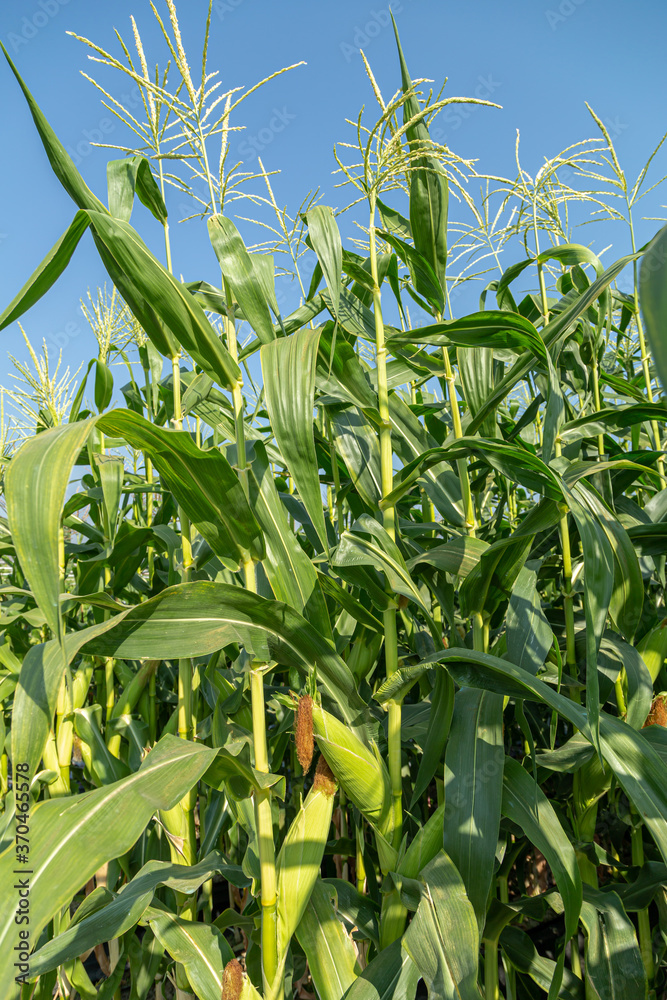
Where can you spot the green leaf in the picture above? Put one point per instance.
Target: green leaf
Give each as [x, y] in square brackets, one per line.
[340, 372]
[525, 804]
[356, 908]
[458, 556]
[36, 695]
[518, 464]
[612, 418]
[410, 440]
[424, 846]
[550, 335]
[524, 956]
[352, 314]
[392, 975]
[473, 778]
[200, 948]
[35, 487]
[394, 221]
[288, 367]
[48, 271]
[352, 605]
[357, 444]
[529, 635]
[422, 274]
[653, 299]
[166, 310]
[108, 820]
[381, 552]
[614, 967]
[202, 480]
[499, 329]
[627, 596]
[598, 586]
[638, 768]
[196, 619]
[429, 190]
[491, 580]
[110, 469]
[396, 686]
[442, 938]
[439, 720]
[332, 957]
[125, 908]
[239, 271]
[325, 237]
[292, 576]
[476, 372]
[127, 177]
[232, 771]
[567, 254]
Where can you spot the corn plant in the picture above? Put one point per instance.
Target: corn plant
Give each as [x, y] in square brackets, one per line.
[346, 679]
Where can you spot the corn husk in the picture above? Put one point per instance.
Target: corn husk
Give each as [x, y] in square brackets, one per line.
[359, 769]
[300, 858]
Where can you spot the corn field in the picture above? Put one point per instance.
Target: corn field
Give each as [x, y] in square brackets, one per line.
[332, 649]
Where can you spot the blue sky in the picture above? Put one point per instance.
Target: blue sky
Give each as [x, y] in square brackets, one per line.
[539, 59]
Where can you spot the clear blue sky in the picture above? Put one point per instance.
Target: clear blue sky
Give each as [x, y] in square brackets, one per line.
[539, 59]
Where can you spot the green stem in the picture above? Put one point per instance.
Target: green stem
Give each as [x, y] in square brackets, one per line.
[510, 972]
[188, 904]
[64, 734]
[4, 769]
[596, 399]
[237, 394]
[152, 709]
[389, 522]
[643, 921]
[575, 957]
[264, 823]
[642, 345]
[337, 502]
[360, 867]
[543, 291]
[263, 817]
[586, 811]
[150, 551]
[480, 633]
[491, 980]
[568, 596]
[167, 242]
[461, 465]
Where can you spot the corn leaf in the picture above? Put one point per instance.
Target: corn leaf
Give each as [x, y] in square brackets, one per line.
[239, 270]
[442, 938]
[200, 948]
[288, 367]
[108, 820]
[331, 955]
[526, 804]
[473, 791]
